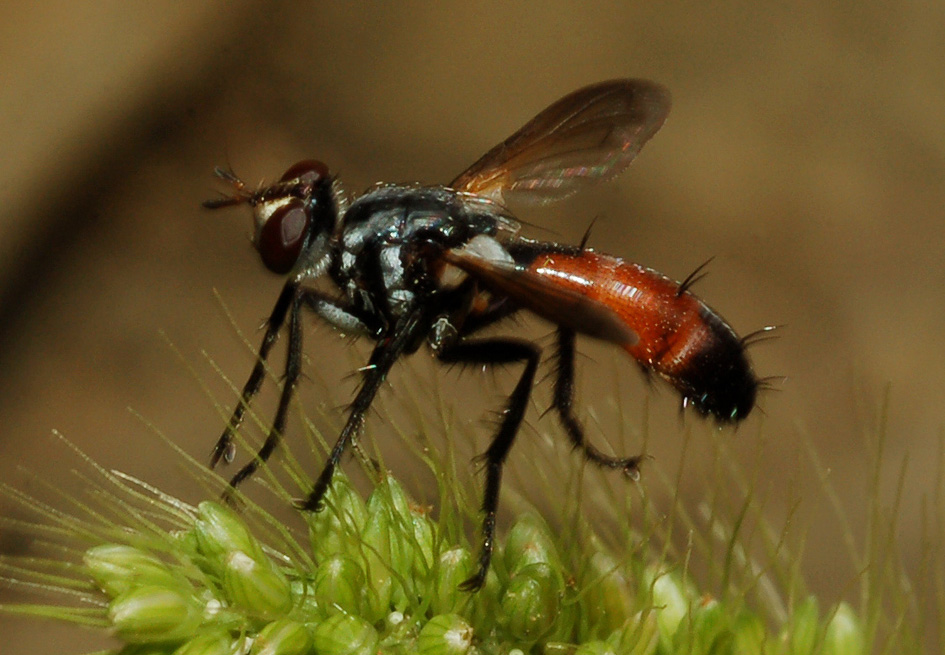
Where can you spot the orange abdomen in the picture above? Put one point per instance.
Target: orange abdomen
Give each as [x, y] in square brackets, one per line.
[680, 337]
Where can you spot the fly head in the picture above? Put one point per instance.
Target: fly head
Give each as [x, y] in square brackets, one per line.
[290, 215]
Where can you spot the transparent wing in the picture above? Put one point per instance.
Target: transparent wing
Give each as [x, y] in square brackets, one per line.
[589, 135]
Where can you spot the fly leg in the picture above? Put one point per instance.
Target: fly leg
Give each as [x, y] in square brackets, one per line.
[293, 368]
[289, 303]
[224, 448]
[564, 402]
[389, 348]
[496, 351]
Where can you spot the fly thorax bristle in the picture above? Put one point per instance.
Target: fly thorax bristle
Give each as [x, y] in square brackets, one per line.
[340, 199]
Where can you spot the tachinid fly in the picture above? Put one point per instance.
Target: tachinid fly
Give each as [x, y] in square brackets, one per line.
[414, 264]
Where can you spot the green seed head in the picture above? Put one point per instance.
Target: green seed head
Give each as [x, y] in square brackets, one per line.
[610, 597]
[532, 602]
[595, 648]
[338, 585]
[377, 549]
[344, 634]
[422, 540]
[446, 634]
[455, 566]
[220, 531]
[844, 633]
[117, 568]
[214, 642]
[750, 636]
[707, 630]
[404, 537]
[671, 600]
[336, 527]
[639, 636]
[256, 587]
[153, 614]
[282, 638]
[800, 634]
[530, 542]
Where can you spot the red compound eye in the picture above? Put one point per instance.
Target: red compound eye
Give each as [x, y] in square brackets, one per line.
[306, 171]
[282, 236]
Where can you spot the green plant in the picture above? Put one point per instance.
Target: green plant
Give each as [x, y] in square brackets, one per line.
[380, 574]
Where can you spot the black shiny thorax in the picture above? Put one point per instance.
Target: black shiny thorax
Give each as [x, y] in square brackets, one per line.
[384, 253]
[399, 214]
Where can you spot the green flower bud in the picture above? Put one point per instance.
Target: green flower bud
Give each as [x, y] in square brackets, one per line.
[671, 602]
[844, 633]
[455, 566]
[484, 607]
[335, 528]
[422, 544]
[639, 636]
[216, 642]
[388, 526]
[185, 542]
[153, 614]
[398, 631]
[531, 602]
[376, 547]
[220, 531]
[446, 634]
[609, 598]
[749, 635]
[282, 638]
[304, 603]
[800, 634]
[118, 568]
[146, 649]
[410, 538]
[344, 634]
[710, 630]
[391, 495]
[257, 588]
[338, 585]
[595, 648]
[530, 542]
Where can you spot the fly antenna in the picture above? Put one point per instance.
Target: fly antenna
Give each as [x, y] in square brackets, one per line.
[239, 196]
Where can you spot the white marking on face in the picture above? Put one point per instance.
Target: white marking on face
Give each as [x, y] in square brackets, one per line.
[264, 210]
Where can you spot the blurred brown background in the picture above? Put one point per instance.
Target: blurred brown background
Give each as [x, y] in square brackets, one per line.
[805, 152]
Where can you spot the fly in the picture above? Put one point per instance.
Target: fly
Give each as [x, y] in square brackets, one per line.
[413, 265]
